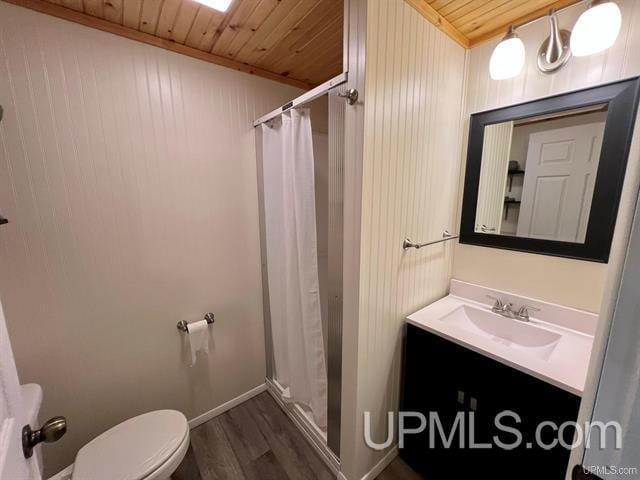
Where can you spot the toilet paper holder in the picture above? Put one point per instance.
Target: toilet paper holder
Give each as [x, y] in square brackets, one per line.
[184, 326]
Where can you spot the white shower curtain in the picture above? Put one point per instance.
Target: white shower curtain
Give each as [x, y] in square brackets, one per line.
[292, 261]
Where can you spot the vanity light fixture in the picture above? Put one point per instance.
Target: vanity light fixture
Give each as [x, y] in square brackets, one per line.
[220, 5]
[508, 57]
[597, 28]
[554, 52]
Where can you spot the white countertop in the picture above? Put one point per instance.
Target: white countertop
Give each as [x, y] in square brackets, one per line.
[565, 368]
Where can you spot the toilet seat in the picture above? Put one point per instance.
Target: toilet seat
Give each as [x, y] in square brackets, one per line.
[147, 447]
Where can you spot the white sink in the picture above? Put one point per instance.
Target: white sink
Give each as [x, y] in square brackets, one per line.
[554, 347]
[507, 332]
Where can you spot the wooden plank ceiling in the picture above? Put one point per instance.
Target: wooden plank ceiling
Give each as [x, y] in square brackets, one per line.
[298, 42]
[470, 22]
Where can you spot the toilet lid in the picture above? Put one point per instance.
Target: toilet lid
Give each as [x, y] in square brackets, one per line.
[133, 449]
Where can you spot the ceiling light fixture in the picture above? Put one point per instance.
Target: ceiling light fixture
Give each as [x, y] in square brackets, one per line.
[220, 5]
[597, 28]
[554, 51]
[508, 57]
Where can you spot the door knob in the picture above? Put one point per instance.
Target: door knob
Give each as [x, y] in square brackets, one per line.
[52, 431]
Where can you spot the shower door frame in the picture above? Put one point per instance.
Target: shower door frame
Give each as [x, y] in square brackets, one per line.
[342, 275]
[331, 449]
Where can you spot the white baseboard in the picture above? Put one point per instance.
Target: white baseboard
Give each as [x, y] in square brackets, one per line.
[219, 410]
[378, 468]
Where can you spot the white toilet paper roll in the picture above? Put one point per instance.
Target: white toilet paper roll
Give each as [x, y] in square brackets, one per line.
[198, 338]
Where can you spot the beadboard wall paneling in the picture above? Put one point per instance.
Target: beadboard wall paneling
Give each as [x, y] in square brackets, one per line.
[574, 283]
[128, 175]
[411, 166]
[493, 175]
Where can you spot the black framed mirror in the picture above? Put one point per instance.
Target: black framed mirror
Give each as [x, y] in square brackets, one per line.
[546, 176]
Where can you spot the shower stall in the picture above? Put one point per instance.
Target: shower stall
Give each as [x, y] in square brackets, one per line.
[300, 162]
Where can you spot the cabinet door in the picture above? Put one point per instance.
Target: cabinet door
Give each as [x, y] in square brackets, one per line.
[535, 402]
[443, 378]
[438, 381]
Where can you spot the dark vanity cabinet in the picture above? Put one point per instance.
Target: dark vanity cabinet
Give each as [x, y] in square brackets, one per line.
[443, 378]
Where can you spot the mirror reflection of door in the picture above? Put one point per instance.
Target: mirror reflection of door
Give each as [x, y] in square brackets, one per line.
[535, 181]
[561, 168]
[538, 175]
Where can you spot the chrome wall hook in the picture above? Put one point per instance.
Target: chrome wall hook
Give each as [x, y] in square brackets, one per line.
[351, 95]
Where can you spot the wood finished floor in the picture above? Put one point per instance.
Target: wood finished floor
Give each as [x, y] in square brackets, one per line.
[257, 441]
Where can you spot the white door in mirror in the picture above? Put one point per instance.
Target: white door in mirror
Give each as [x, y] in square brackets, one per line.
[558, 187]
[13, 464]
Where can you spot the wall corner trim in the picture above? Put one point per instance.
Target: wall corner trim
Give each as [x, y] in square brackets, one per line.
[433, 16]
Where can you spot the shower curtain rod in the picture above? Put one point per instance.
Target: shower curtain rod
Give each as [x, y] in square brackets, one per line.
[304, 98]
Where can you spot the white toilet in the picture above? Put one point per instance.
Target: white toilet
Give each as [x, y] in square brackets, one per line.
[147, 447]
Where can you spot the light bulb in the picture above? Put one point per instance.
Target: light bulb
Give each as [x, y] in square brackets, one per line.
[597, 29]
[508, 57]
[220, 5]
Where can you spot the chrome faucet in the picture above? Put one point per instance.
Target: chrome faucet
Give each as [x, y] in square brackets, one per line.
[506, 309]
[523, 313]
[502, 308]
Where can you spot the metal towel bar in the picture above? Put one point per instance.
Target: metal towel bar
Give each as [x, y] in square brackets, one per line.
[446, 236]
[184, 326]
